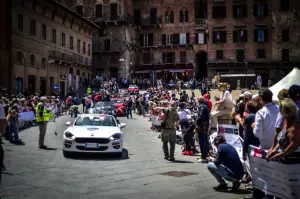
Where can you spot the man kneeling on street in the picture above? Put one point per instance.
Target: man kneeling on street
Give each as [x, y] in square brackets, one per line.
[227, 165]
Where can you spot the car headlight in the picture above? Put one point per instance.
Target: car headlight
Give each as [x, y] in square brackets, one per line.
[116, 136]
[69, 135]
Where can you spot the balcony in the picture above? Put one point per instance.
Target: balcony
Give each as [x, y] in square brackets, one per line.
[108, 18]
[59, 56]
[201, 24]
[169, 60]
[150, 22]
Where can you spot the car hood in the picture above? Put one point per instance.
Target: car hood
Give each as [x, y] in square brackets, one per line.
[93, 131]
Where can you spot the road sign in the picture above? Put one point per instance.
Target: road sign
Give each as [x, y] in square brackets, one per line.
[55, 86]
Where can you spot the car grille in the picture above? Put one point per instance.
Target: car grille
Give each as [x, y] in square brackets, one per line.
[92, 140]
[100, 148]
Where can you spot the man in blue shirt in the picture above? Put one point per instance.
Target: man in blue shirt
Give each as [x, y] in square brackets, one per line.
[227, 165]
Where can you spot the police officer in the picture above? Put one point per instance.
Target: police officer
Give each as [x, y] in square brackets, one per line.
[43, 116]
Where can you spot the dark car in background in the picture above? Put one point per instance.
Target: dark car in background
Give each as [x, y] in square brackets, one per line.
[103, 108]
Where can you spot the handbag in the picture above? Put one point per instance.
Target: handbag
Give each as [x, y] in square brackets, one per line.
[163, 123]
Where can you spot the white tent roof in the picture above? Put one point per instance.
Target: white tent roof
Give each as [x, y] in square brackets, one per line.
[292, 78]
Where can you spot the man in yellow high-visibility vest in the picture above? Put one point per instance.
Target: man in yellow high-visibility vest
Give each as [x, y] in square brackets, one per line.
[43, 116]
[89, 90]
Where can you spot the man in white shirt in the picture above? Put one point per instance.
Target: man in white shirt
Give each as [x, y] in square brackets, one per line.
[183, 113]
[265, 119]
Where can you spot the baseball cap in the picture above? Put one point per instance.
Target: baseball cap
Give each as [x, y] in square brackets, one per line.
[294, 91]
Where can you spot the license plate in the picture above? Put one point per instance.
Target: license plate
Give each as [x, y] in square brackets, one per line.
[91, 145]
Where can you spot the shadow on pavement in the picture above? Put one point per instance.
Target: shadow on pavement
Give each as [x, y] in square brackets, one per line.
[181, 161]
[242, 192]
[49, 149]
[100, 156]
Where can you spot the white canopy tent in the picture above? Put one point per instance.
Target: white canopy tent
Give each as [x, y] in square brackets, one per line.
[292, 78]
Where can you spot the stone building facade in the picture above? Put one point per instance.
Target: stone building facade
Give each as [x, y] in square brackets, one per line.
[51, 45]
[5, 45]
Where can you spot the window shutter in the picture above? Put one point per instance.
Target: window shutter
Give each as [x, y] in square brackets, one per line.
[181, 16]
[245, 11]
[255, 35]
[223, 36]
[150, 39]
[214, 37]
[186, 16]
[266, 35]
[234, 34]
[245, 35]
[196, 38]
[234, 11]
[255, 10]
[187, 38]
[176, 39]
[201, 39]
[266, 10]
[141, 40]
[164, 39]
[206, 38]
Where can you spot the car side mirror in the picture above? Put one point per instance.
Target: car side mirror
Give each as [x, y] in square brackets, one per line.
[68, 123]
[122, 125]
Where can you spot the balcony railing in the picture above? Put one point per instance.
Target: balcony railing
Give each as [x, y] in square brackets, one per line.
[108, 18]
[150, 21]
[201, 23]
[170, 60]
[63, 57]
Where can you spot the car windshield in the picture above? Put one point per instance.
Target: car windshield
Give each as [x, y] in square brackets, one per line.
[103, 104]
[115, 101]
[94, 120]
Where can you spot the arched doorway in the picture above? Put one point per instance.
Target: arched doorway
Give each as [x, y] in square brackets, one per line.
[201, 65]
[70, 77]
[77, 79]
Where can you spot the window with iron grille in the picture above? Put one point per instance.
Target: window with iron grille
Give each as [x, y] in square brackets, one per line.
[285, 55]
[240, 36]
[219, 12]
[239, 11]
[261, 54]
[219, 54]
[260, 10]
[219, 37]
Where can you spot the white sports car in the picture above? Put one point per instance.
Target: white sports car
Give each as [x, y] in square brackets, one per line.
[93, 133]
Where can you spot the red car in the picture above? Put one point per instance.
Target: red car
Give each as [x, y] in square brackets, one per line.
[120, 106]
[133, 89]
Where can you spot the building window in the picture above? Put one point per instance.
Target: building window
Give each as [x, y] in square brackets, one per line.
[200, 38]
[78, 46]
[285, 55]
[89, 50]
[183, 57]
[261, 53]
[44, 63]
[32, 60]
[169, 17]
[153, 16]
[71, 43]
[98, 10]
[20, 22]
[184, 38]
[219, 37]
[44, 32]
[20, 57]
[219, 12]
[106, 44]
[146, 58]
[84, 48]
[79, 10]
[169, 39]
[285, 35]
[168, 57]
[260, 10]
[261, 35]
[53, 35]
[240, 11]
[240, 36]
[63, 39]
[32, 27]
[240, 55]
[284, 5]
[219, 54]
[146, 40]
[184, 16]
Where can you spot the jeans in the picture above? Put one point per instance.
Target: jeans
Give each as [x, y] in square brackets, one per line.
[204, 144]
[220, 172]
[13, 131]
[129, 112]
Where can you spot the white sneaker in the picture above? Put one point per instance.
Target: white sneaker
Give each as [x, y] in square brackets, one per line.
[202, 160]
